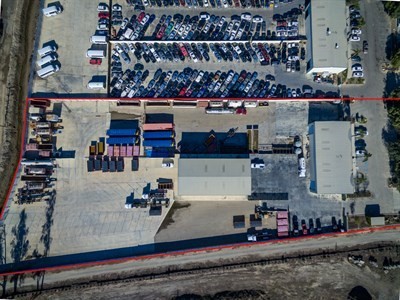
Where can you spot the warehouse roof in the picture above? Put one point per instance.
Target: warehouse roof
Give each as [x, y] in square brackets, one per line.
[331, 157]
[214, 177]
[328, 33]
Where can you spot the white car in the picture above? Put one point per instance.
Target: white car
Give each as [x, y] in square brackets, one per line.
[356, 31]
[206, 4]
[288, 67]
[204, 16]
[225, 3]
[119, 48]
[145, 19]
[167, 165]
[102, 7]
[145, 3]
[293, 58]
[294, 94]
[124, 23]
[257, 19]
[360, 152]
[246, 16]
[258, 166]
[355, 38]
[357, 67]
[358, 74]
[102, 26]
[131, 47]
[117, 7]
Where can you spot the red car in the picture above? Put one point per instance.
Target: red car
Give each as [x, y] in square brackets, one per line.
[95, 61]
[241, 111]
[104, 15]
[141, 16]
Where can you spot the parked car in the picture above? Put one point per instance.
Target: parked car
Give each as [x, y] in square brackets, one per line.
[358, 74]
[102, 7]
[95, 61]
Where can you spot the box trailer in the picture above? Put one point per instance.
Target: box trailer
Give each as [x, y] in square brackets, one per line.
[121, 140]
[159, 143]
[135, 164]
[158, 126]
[158, 134]
[112, 166]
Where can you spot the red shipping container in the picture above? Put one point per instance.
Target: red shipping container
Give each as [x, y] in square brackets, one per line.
[44, 153]
[31, 146]
[282, 222]
[282, 214]
[285, 233]
[136, 150]
[116, 150]
[129, 150]
[158, 126]
[123, 150]
[110, 150]
[283, 228]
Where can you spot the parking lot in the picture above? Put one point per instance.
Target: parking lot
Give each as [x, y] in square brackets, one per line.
[70, 32]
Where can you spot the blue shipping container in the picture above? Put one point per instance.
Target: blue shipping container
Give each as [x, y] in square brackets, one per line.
[159, 143]
[165, 134]
[121, 140]
[121, 132]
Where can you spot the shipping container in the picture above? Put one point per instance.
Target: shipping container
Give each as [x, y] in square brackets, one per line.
[44, 153]
[122, 132]
[129, 150]
[157, 134]
[281, 222]
[158, 126]
[33, 170]
[110, 150]
[36, 178]
[283, 234]
[105, 166]
[120, 164]
[282, 214]
[92, 150]
[97, 164]
[35, 185]
[116, 150]
[159, 143]
[122, 151]
[283, 228]
[112, 166]
[135, 164]
[45, 147]
[40, 103]
[31, 146]
[42, 124]
[136, 150]
[155, 210]
[100, 148]
[121, 140]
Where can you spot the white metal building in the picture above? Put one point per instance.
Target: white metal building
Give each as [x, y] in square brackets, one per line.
[326, 32]
[214, 177]
[331, 157]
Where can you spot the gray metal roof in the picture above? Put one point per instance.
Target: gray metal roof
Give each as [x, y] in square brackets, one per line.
[328, 14]
[215, 177]
[331, 151]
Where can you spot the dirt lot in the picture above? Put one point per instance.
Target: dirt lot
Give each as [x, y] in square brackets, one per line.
[15, 51]
[323, 276]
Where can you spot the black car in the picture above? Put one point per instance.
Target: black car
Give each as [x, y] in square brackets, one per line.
[319, 227]
[311, 225]
[295, 226]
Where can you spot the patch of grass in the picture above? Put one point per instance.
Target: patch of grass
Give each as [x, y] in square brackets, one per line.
[355, 81]
[168, 220]
[357, 222]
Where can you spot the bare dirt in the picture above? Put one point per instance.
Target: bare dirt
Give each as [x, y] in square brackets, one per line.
[16, 44]
[318, 276]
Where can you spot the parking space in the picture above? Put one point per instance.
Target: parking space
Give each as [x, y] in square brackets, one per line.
[69, 32]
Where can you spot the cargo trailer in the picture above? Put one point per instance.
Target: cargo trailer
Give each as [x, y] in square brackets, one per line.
[112, 166]
[122, 132]
[97, 164]
[120, 164]
[105, 166]
[159, 143]
[135, 164]
[158, 134]
[158, 126]
[35, 178]
[121, 140]
[90, 166]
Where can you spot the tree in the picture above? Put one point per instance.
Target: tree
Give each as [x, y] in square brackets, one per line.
[392, 8]
[395, 60]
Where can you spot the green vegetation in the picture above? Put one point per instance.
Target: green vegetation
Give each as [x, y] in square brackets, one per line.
[355, 81]
[355, 3]
[393, 109]
[392, 8]
[395, 60]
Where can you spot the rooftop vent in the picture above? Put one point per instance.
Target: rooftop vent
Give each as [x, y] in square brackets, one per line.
[336, 46]
[328, 32]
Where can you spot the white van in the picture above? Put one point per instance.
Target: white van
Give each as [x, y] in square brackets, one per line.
[46, 50]
[96, 85]
[250, 103]
[52, 11]
[96, 53]
[216, 104]
[47, 71]
[46, 59]
[99, 39]
[235, 103]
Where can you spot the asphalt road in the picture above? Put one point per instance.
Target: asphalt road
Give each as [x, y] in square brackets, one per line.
[253, 252]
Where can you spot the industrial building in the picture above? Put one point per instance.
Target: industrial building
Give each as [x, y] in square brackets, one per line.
[214, 177]
[331, 154]
[325, 22]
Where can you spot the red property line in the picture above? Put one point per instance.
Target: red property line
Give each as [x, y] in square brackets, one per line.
[21, 152]
[216, 99]
[200, 250]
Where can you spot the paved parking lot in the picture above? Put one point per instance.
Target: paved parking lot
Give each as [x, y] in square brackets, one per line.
[70, 32]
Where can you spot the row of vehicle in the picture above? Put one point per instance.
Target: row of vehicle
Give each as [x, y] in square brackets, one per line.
[141, 4]
[135, 27]
[198, 52]
[313, 229]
